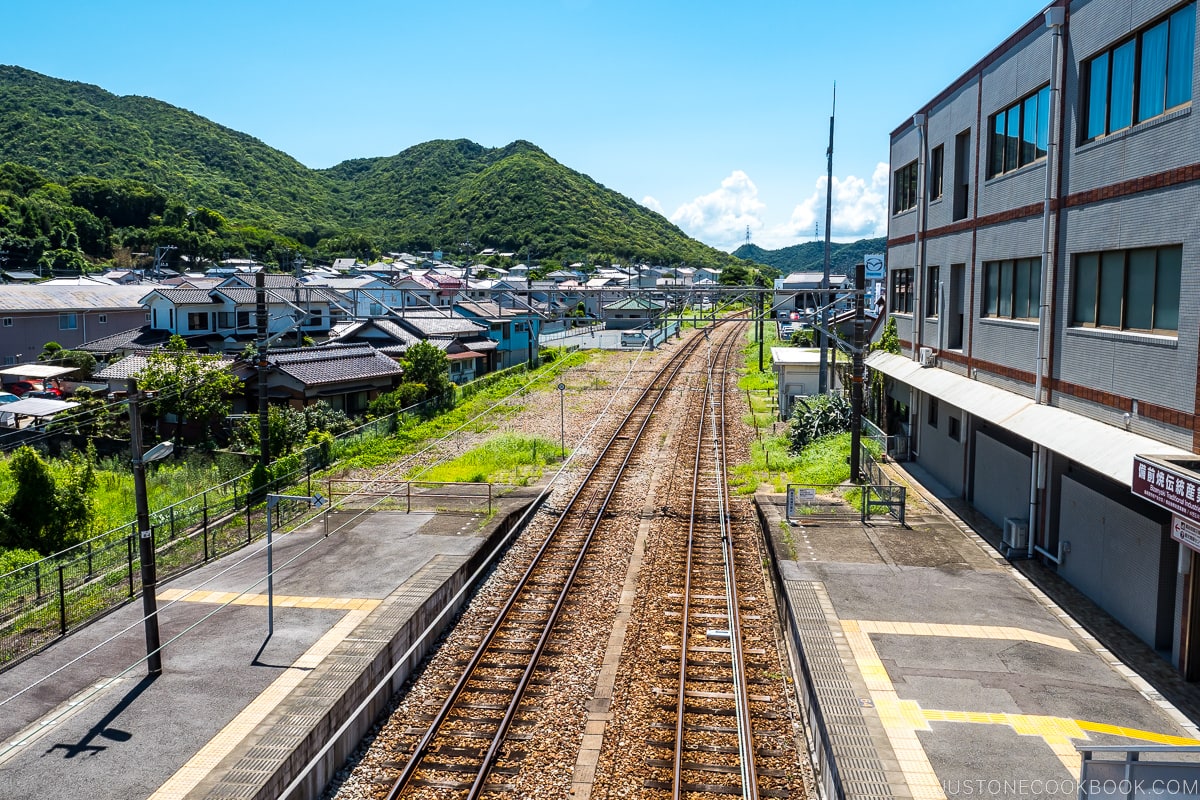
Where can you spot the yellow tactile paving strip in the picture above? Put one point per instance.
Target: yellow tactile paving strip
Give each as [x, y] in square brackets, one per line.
[903, 718]
[1000, 632]
[281, 601]
[198, 767]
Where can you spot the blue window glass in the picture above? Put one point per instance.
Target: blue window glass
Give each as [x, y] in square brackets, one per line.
[1120, 113]
[1043, 124]
[1152, 83]
[1029, 129]
[1180, 56]
[1097, 96]
[1012, 138]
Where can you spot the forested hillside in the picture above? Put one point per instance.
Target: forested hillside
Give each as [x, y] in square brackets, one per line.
[810, 256]
[435, 195]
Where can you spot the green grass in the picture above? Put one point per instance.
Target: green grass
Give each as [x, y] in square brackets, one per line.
[508, 458]
[822, 462]
[754, 377]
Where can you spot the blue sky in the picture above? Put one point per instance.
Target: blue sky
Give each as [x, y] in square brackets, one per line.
[716, 114]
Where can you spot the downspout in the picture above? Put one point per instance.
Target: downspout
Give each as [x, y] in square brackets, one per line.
[919, 242]
[1055, 17]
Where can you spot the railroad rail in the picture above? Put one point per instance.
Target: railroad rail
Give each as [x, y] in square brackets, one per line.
[466, 749]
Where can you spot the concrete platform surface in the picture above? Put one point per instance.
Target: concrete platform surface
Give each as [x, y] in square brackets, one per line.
[82, 719]
[942, 671]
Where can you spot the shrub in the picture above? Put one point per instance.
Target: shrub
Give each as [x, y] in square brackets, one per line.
[816, 417]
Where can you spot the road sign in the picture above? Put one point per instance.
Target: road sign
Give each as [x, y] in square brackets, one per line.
[1185, 532]
[875, 267]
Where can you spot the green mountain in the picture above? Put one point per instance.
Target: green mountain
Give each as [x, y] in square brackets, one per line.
[434, 195]
[810, 256]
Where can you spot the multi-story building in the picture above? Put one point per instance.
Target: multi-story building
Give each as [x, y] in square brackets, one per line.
[1044, 272]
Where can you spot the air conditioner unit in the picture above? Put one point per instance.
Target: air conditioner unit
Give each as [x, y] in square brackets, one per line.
[928, 359]
[1016, 533]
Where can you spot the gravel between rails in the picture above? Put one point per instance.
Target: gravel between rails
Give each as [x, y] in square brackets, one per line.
[552, 721]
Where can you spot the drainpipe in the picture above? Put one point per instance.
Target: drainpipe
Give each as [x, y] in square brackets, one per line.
[1055, 18]
[919, 242]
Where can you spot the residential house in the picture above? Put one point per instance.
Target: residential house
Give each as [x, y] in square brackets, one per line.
[31, 316]
[630, 313]
[515, 331]
[346, 376]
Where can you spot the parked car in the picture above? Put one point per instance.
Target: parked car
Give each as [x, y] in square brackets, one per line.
[8, 397]
[45, 394]
[20, 388]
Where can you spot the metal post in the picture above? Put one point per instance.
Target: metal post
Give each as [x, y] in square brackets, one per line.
[562, 420]
[62, 601]
[145, 536]
[270, 577]
[856, 380]
[129, 562]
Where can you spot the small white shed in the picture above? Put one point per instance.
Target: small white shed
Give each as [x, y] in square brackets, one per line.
[797, 374]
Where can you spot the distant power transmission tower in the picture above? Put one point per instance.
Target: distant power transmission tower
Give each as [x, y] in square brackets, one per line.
[747, 234]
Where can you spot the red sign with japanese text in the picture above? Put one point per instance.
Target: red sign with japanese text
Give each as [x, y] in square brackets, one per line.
[1174, 490]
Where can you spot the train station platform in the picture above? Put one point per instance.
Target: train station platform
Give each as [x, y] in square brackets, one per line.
[939, 669]
[235, 713]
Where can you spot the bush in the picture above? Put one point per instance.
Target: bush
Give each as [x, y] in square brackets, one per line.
[816, 417]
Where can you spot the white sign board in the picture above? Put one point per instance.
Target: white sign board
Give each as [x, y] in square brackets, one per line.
[796, 496]
[1185, 532]
[876, 269]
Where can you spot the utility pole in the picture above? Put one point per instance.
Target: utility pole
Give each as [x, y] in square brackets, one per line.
[856, 378]
[145, 535]
[260, 319]
[823, 378]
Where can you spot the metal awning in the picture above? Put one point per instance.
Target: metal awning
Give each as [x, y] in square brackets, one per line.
[1104, 448]
[37, 407]
[37, 371]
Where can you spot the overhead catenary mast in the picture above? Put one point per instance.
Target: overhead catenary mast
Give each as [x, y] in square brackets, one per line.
[823, 378]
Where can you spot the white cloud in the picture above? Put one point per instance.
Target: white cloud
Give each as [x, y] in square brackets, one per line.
[653, 204]
[720, 218]
[859, 211]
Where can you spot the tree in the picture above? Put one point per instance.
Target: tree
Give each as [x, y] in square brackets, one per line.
[55, 353]
[44, 514]
[189, 386]
[425, 363]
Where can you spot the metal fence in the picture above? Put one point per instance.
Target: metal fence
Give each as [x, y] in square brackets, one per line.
[50, 597]
[881, 495]
[42, 601]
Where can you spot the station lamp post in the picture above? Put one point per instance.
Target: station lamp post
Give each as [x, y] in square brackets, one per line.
[146, 555]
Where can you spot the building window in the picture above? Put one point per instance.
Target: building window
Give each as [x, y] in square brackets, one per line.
[1019, 134]
[197, 320]
[102, 319]
[936, 159]
[962, 174]
[902, 288]
[243, 320]
[225, 319]
[933, 412]
[1140, 77]
[1012, 289]
[904, 188]
[68, 322]
[932, 285]
[8, 322]
[1128, 289]
[954, 428]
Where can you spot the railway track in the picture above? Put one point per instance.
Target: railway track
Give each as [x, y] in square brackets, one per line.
[464, 748]
[697, 706]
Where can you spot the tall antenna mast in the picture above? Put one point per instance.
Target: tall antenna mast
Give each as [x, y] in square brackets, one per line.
[823, 378]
